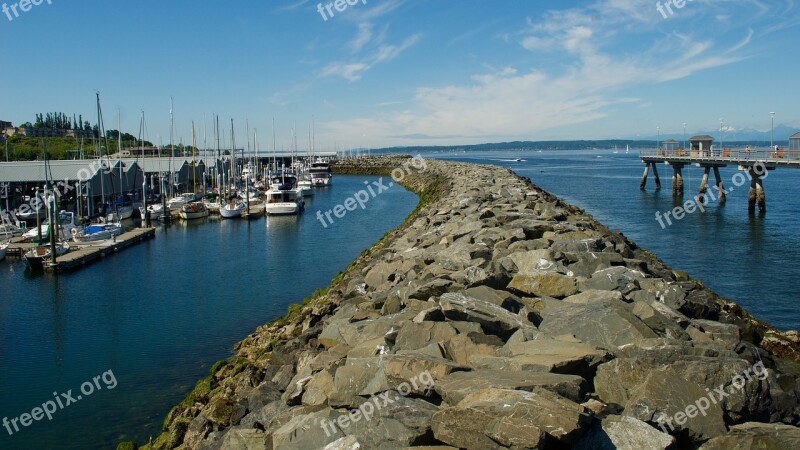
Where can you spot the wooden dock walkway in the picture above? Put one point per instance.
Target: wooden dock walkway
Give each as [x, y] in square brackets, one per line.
[756, 163]
[82, 254]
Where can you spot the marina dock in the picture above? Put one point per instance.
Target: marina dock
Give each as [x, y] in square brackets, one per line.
[82, 254]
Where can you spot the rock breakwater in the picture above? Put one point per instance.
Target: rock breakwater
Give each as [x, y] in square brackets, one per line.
[537, 327]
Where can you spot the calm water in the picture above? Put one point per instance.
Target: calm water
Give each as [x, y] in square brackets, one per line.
[754, 261]
[161, 313]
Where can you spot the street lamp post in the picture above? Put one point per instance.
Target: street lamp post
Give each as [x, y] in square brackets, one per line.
[721, 121]
[684, 135]
[658, 129]
[772, 131]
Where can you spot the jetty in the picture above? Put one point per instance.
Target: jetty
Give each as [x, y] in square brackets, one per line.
[498, 317]
[82, 254]
[702, 154]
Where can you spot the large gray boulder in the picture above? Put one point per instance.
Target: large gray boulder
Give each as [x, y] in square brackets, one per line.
[492, 318]
[607, 325]
[754, 435]
[501, 418]
[457, 385]
[624, 433]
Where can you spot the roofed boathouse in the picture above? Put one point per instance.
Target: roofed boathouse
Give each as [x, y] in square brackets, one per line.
[794, 141]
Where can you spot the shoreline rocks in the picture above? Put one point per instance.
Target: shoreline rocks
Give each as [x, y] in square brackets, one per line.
[538, 327]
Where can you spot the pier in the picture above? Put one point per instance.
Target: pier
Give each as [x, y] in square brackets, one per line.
[82, 254]
[702, 154]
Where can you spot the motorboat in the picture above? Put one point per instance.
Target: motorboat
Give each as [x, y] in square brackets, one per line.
[305, 186]
[66, 223]
[283, 202]
[36, 256]
[320, 173]
[176, 203]
[156, 211]
[193, 210]
[3, 249]
[96, 232]
[232, 210]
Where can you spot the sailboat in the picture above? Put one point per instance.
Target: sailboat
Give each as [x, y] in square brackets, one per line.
[36, 257]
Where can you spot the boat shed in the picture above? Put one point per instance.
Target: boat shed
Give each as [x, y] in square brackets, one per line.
[701, 143]
[794, 141]
[96, 177]
[670, 145]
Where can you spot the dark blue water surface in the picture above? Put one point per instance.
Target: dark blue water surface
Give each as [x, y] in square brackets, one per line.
[752, 260]
[159, 314]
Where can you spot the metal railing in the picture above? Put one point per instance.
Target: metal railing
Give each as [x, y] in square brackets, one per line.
[726, 154]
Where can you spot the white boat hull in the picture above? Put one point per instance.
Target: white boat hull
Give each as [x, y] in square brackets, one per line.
[104, 232]
[282, 209]
[232, 211]
[36, 257]
[3, 249]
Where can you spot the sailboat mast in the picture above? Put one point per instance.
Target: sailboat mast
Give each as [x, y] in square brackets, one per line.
[274, 147]
[194, 169]
[119, 154]
[233, 155]
[171, 146]
[100, 153]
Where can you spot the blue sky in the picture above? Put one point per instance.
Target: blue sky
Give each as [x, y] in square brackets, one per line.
[407, 72]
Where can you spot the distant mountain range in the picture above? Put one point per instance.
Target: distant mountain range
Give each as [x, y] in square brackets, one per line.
[730, 137]
[730, 134]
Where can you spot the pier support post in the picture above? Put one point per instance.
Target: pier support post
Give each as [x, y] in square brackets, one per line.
[644, 176]
[677, 180]
[704, 184]
[756, 193]
[655, 175]
[720, 187]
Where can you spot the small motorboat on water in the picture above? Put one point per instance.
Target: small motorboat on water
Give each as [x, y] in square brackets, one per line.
[233, 209]
[320, 173]
[283, 198]
[96, 233]
[177, 202]
[194, 210]
[36, 256]
[3, 250]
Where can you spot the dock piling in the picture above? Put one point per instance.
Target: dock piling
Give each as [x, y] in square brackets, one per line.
[704, 184]
[756, 193]
[655, 175]
[644, 176]
[677, 180]
[720, 186]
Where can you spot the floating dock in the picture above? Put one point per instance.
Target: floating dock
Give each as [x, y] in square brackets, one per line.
[82, 254]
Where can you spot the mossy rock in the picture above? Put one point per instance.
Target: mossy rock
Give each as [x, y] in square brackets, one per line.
[127, 446]
[681, 275]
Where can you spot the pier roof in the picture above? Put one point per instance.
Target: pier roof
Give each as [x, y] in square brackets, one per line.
[795, 136]
[701, 137]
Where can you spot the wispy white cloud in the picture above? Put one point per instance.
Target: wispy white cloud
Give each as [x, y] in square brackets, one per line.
[595, 72]
[355, 70]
